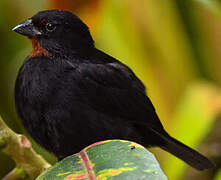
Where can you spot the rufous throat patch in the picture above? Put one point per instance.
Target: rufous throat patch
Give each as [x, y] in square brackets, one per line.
[37, 49]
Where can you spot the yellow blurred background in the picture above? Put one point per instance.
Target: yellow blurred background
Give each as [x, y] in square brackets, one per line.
[173, 46]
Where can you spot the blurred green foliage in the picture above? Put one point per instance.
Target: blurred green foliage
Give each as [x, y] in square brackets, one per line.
[173, 46]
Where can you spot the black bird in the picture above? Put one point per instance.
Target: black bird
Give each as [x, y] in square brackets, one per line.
[69, 94]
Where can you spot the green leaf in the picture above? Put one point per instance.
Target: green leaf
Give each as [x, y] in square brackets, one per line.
[111, 159]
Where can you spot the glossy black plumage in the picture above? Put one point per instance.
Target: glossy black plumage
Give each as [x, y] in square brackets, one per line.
[69, 94]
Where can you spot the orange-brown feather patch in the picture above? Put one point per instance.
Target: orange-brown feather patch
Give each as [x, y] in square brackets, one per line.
[37, 49]
[43, 21]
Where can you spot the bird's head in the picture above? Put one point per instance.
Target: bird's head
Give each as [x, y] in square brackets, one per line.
[57, 31]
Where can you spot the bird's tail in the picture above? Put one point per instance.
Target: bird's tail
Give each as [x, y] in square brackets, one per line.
[190, 156]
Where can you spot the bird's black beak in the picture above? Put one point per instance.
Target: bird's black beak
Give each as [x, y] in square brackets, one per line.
[27, 28]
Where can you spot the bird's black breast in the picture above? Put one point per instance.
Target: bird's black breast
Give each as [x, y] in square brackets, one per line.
[35, 91]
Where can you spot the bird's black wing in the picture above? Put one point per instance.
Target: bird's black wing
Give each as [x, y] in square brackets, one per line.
[112, 88]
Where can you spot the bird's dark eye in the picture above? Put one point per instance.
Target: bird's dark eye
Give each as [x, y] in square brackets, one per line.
[50, 27]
